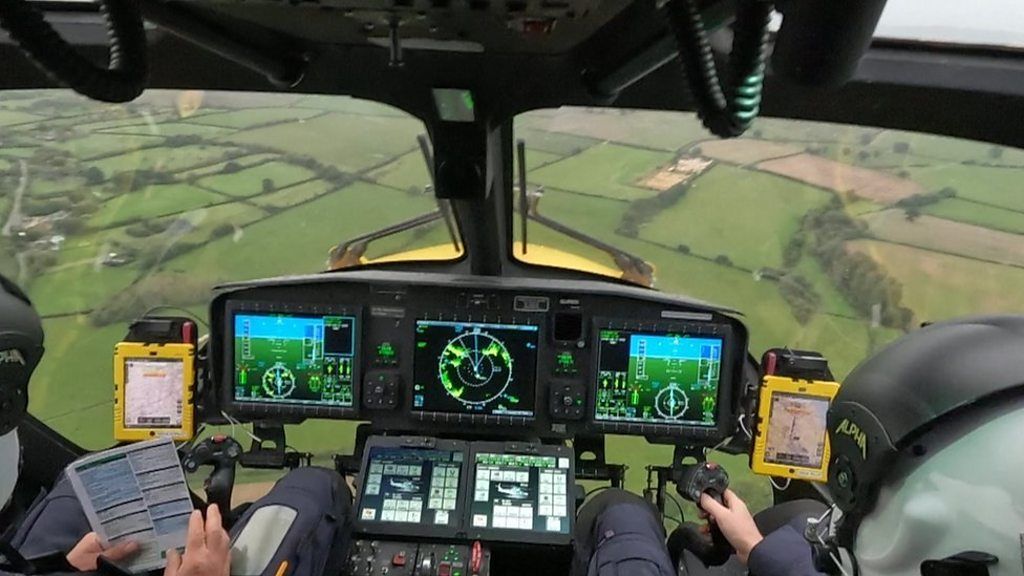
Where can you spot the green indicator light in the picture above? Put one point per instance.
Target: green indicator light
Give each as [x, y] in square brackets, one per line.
[386, 350]
[566, 360]
[421, 344]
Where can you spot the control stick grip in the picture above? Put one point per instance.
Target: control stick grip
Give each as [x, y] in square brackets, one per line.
[710, 478]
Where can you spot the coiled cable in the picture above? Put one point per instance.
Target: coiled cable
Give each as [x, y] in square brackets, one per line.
[724, 115]
[125, 76]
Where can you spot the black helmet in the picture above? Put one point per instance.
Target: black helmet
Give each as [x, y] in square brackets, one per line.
[21, 348]
[921, 381]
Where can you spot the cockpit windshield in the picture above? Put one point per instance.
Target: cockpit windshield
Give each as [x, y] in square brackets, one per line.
[108, 211]
[827, 237]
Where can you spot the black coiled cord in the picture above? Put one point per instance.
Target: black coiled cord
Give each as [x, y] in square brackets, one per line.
[725, 116]
[125, 77]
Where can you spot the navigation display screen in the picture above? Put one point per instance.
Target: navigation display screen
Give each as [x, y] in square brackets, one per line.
[797, 430]
[658, 378]
[295, 359]
[520, 492]
[411, 486]
[475, 368]
[153, 393]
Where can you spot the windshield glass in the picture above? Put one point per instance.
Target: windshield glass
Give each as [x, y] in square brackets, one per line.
[107, 211]
[981, 22]
[826, 237]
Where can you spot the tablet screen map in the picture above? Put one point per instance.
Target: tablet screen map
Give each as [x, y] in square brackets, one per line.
[294, 359]
[796, 430]
[153, 393]
[658, 378]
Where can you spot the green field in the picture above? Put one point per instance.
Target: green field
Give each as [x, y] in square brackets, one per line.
[172, 159]
[254, 116]
[372, 141]
[152, 202]
[606, 170]
[9, 117]
[168, 129]
[409, 171]
[105, 144]
[940, 286]
[249, 182]
[553, 142]
[979, 214]
[950, 149]
[322, 223]
[999, 187]
[647, 129]
[42, 187]
[293, 195]
[92, 285]
[708, 217]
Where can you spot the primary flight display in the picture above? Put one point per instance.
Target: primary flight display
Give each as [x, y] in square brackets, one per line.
[294, 359]
[476, 368]
[660, 378]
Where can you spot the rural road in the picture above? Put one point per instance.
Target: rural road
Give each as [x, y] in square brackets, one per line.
[15, 217]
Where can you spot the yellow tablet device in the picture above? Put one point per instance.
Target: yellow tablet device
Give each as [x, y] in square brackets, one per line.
[791, 440]
[153, 387]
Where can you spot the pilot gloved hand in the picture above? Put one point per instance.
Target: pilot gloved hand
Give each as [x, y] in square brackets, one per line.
[207, 548]
[735, 522]
[85, 555]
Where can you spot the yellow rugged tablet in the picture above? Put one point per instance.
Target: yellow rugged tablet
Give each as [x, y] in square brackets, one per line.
[153, 388]
[791, 437]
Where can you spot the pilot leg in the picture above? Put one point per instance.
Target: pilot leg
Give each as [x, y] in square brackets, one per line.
[305, 520]
[618, 533]
[53, 525]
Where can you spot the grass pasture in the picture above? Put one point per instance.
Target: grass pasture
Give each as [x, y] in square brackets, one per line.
[941, 286]
[163, 158]
[717, 206]
[745, 151]
[408, 171]
[647, 129]
[553, 142]
[983, 215]
[152, 202]
[249, 182]
[822, 172]
[606, 170]
[1000, 187]
[292, 195]
[250, 117]
[947, 236]
[352, 143]
[315, 227]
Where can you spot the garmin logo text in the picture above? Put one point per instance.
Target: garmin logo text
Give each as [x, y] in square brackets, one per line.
[12, 356]
[853, 431]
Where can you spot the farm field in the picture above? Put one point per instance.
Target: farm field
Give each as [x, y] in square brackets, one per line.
[252, 185]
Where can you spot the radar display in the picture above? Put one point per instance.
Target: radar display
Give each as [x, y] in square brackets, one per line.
[294, 359]
[470, 367]
[658, 378]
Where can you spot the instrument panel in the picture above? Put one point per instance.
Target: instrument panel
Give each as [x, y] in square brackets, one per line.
[432, 354]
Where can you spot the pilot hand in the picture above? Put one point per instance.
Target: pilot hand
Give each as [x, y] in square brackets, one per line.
[86, 553]
[207, 548]
[735, 522]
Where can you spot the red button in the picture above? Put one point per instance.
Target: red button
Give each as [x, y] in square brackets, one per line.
[445, 569]
[398, 559]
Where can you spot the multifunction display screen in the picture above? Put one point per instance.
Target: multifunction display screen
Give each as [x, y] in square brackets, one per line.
[411, 486]
[295, 359]
[475, 368]
[797, 430]
[658, 378]
[521, 492]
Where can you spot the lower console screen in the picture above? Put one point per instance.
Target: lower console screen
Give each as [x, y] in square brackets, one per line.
[658, 378]
[475, 368]
[294, 359]
[411, 486]
[520, 492]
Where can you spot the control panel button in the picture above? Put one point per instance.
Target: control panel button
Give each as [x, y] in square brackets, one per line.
[568, 400]
[381, 390]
